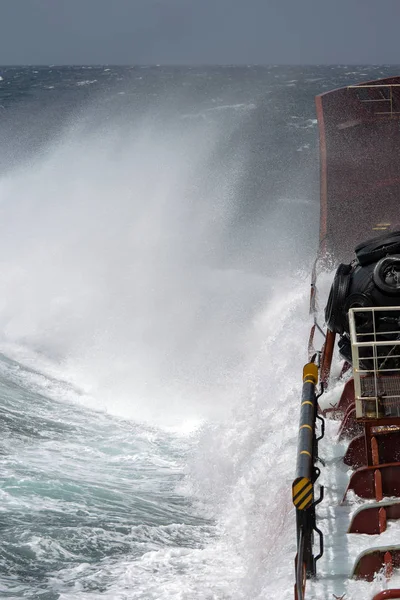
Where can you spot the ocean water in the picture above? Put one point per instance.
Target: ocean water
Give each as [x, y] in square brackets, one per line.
[156, 235]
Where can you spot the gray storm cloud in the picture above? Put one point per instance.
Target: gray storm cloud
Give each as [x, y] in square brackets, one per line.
[202, 32]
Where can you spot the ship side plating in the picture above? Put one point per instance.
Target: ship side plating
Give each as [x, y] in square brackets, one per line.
[359, 227]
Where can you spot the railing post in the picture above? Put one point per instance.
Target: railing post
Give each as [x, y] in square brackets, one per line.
[327, 356]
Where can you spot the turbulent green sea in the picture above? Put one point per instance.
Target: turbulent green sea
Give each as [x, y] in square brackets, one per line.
[157, 227]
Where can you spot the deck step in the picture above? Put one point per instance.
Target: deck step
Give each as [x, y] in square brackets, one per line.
[376, 482]
[375, 560]
[387, 595]
[372, 519]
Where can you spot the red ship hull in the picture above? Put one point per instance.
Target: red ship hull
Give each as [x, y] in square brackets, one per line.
[360, 199]
[360, 163]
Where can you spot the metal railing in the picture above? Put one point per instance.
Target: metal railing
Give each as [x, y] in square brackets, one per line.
[379, 90]
[375, 346]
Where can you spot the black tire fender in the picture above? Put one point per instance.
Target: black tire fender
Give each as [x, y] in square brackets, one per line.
[387, 265]
[374, 249]
[360, 300]
[335, 318]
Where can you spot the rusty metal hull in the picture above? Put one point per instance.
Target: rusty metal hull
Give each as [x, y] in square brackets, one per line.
[360, 164]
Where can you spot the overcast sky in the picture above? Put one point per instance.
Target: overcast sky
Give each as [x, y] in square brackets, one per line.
[201, 31]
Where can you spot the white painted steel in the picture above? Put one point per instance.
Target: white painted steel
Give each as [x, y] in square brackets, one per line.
[376, 376]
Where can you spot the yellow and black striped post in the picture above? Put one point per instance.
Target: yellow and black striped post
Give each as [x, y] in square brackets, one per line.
[302, 488]
[303, 485]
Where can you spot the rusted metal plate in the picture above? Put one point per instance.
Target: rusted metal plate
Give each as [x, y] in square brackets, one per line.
[371, 519]
[389, 447]
[356, 456]
[360, 164]
[363, 481]
[387, 434]
[372, 561]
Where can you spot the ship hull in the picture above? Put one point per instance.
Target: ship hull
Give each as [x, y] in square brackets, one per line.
[360, 164]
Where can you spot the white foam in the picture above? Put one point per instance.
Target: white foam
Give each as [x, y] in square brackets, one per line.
[249, 106]
[86, 82]
[123, 294]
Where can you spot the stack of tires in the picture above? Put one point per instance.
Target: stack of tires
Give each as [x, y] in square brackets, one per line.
[371, 279]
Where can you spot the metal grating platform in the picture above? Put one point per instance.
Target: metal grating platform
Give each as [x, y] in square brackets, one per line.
[375, 345]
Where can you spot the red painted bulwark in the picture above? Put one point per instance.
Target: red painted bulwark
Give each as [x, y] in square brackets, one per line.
[360, 164]
[387, 594]
[356, 456]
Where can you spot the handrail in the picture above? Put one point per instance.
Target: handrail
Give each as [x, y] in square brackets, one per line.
[303, 484]
[300, 579]
[388, 86]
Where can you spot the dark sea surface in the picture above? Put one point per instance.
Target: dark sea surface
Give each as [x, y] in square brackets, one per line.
[157, 227]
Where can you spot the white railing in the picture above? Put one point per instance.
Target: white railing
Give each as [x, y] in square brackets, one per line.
[375, 347]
